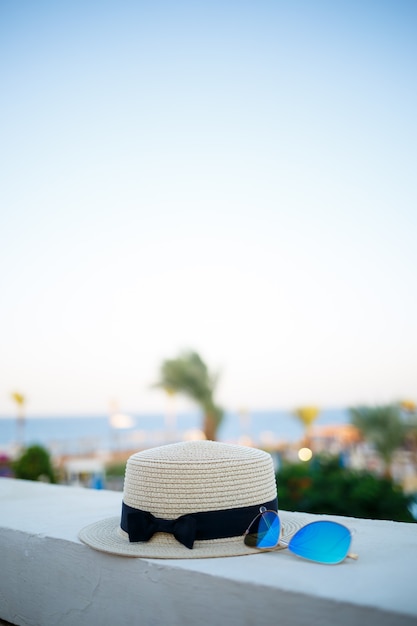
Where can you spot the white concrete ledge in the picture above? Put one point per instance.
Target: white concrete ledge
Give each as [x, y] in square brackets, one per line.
[48, 577]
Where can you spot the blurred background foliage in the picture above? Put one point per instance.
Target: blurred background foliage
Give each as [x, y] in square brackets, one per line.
[383, 427]
[34, 463]
[324, 486]
[189, 375]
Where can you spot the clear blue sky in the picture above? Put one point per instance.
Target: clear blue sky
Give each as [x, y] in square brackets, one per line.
[234, 177]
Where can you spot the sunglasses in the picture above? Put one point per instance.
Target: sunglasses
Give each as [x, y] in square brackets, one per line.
[322, 541]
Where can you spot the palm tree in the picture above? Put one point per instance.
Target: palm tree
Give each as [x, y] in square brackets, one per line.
[170, 415]
[307, 415]
[383, 427]
[20, 401]
[189, 375]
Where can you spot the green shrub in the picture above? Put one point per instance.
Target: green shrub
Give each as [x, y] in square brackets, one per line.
[322, 486]
[34, 464]
[116, 469]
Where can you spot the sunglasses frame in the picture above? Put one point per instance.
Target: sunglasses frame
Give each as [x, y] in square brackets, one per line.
[282, 544]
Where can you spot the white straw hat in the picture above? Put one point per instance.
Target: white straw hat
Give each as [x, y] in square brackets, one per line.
[215, 489]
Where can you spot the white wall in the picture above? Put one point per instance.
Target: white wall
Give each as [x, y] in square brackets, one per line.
[47, 577]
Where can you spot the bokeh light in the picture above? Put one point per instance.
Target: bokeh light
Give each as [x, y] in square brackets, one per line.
[305, 454]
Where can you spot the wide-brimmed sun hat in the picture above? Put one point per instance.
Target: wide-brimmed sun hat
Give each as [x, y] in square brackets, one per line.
[189, 500]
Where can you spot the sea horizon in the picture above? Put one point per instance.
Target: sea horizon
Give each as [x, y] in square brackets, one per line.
[76, 434]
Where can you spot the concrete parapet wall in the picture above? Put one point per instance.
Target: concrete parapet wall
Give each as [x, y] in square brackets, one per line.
[48, 577]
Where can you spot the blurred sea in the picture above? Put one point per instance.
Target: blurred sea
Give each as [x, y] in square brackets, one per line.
[71, 435]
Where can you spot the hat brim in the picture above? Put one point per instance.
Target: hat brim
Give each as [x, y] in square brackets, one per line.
[106, 536]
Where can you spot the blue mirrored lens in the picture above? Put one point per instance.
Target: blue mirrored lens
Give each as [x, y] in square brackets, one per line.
[322, 541]
[264, 531]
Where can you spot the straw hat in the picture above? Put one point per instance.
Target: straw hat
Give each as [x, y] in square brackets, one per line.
[215, 489]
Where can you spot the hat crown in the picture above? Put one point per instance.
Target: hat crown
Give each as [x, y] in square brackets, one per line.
[223, 485]
[197, 476]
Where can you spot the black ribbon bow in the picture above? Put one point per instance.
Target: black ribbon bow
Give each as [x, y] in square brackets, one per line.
[142, 525]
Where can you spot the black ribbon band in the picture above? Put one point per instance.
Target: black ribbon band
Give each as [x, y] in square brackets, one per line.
[202, 526]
